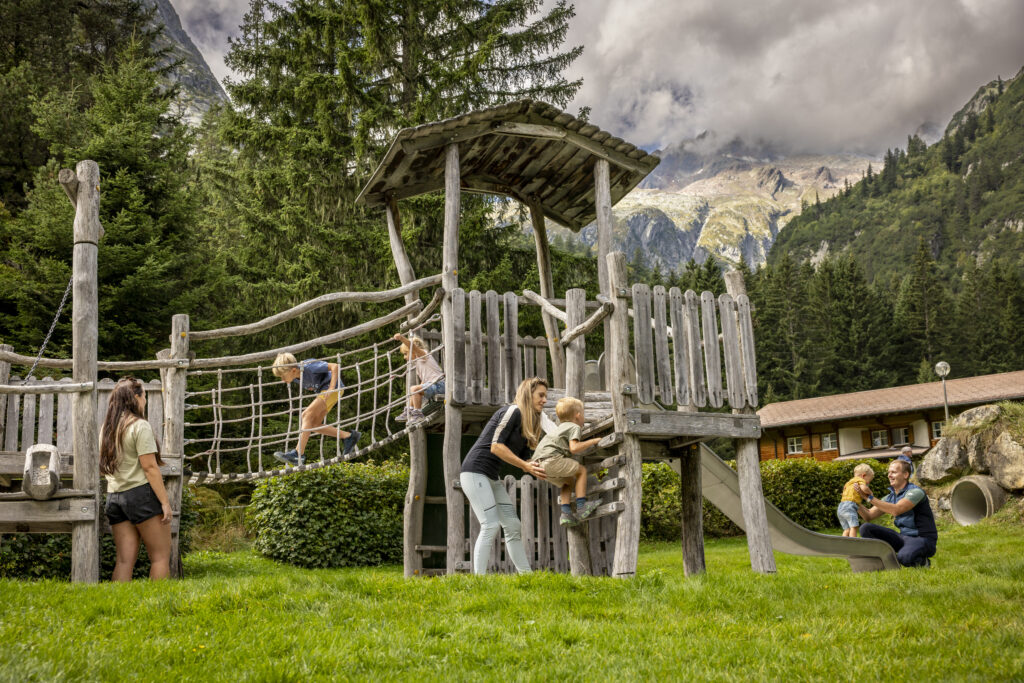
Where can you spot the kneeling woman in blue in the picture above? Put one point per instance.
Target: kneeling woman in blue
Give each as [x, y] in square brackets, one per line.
[510, 436]
[137, 503]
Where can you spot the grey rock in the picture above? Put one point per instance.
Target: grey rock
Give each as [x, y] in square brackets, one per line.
[975, 417]
[976, 454]
[1005, 460]
[944, 463]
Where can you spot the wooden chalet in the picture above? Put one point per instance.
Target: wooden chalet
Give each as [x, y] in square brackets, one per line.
[876, 423]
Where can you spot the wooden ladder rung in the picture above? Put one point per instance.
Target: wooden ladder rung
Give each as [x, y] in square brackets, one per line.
[610, 484]
[435, 500]
[431, 548]
[605, 463]
[612, 508]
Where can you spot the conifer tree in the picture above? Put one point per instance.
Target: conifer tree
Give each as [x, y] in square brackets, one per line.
[149, 259]
[323, 86]
[922, 315]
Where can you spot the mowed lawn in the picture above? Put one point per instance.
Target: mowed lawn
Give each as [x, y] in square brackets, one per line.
[238, 617]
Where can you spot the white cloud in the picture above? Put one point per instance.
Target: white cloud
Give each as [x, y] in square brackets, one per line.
[805, 75]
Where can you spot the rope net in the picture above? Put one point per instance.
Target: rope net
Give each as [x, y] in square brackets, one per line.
[237, 417]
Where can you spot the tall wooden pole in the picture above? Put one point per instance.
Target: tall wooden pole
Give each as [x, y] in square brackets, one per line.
[547, 290]
[456, 551]
[748, 468]
[173, 386]
[603, 200]
[85, 540]
[412, 520]
[627, 531]
[575, 308]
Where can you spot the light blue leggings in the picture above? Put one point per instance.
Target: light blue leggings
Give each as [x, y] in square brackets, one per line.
[493, 508]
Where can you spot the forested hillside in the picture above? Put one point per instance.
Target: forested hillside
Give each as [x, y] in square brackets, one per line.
[920, 262]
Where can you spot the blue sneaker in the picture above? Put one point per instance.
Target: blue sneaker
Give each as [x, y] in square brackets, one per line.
[288, 457]
[350, 441]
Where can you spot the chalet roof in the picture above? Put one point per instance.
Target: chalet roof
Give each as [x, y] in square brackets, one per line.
[528, 150]
[962, 392]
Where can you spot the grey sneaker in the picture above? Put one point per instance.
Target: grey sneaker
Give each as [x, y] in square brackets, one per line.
[588, 509]
[288, 457]
[416, 415]
[404, 415]
[350, 441]
[568, 519]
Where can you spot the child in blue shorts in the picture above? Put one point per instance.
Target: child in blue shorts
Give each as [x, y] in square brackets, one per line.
[429, 372]
[854, 492]
[323, 379]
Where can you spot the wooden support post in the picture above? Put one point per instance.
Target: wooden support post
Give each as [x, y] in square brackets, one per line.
[748, 468]
[412, 519]
[692, 512]
[85, 536]
[547, 290]
[627, 533]
[5, 377]
[456, 552]
[603, 201]
[173, 381]
[578, 536]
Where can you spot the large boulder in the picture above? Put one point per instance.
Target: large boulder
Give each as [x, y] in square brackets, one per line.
[944, 463]
[1005, 461]
[981, 444]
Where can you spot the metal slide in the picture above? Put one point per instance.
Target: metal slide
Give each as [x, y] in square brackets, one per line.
[721, 486]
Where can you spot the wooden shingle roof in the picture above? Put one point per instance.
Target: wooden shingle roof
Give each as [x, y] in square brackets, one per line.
[966, 391]
[528, 150]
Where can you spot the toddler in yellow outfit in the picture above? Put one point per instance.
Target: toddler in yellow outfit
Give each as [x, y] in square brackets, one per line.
[854, 492]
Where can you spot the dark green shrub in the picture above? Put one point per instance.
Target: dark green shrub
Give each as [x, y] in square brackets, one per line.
[48, 556]
[808, 491]
[661, 507]
[349, 515]
[805, 490]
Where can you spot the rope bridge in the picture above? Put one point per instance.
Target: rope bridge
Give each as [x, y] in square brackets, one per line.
[252, 416]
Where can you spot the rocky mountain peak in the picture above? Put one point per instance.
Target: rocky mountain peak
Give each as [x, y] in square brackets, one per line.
[199, 88]
[771, 181]
[824, 177]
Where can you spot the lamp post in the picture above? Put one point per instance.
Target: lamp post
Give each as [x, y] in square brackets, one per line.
[942, 369]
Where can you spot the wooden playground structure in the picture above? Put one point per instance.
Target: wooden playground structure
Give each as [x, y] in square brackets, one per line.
[677, 368]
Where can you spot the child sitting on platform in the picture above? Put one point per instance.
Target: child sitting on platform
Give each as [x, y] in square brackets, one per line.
[554, 453]
[429, 372]
[318, 377]
[854, 491]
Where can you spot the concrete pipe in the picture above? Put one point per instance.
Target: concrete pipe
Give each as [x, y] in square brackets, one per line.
[975, 498]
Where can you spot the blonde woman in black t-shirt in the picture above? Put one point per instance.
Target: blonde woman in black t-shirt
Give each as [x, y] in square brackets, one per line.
[510, 436]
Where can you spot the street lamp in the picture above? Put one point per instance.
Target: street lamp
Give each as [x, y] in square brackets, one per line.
[942, 369]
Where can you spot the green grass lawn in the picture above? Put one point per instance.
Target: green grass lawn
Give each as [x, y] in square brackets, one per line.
[239, 617]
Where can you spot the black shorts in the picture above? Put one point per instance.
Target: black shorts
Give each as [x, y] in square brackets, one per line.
[135, 505]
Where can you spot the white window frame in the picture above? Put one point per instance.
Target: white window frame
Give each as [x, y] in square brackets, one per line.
[799, 445]
[881, 443]
[937, 429]
[830, 442]
[898, 433]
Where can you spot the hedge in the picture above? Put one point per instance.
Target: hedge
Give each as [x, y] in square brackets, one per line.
[805, 490]
[349, 515]
[48, 556]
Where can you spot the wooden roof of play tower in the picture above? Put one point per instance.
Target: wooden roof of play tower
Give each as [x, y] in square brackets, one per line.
[527, 150]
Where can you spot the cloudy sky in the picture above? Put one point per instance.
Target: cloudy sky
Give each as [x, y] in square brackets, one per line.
[804, 75]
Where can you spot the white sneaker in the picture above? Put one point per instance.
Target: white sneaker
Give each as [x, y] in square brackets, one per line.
[416, 415]
[404, 415]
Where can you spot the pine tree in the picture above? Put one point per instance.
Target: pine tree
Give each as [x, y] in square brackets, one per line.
[323, 86]
[922, 313]
[48, 45]
[150, 264]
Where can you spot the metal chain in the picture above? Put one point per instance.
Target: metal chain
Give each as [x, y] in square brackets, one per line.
[53, 326]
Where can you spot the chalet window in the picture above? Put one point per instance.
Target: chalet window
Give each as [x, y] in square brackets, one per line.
[879, 438]
[900, 436]
[829, 442]
[794, 444]
[936, 430]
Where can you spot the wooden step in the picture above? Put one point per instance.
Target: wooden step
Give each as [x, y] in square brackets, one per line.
[605, 463]
[428, 549]
[613, 508]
